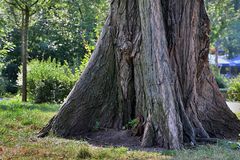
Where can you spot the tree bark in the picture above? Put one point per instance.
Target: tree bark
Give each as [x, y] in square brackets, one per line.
[151, 60]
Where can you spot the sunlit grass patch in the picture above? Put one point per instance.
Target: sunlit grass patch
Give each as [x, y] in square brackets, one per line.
[12, 104]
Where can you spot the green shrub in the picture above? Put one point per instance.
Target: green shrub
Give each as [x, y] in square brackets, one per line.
[49, 81]
[84, 61]
[2, 86]
[234, 89]
[133, 123]
[222, 81]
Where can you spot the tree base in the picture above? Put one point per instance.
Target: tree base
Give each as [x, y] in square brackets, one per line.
[151, 61]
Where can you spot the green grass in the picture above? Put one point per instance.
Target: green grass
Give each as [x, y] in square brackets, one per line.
[222, 151]
[20, 122]
[13, 104]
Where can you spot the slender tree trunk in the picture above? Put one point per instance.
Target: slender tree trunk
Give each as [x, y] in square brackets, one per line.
[24, 32]
[151, 60]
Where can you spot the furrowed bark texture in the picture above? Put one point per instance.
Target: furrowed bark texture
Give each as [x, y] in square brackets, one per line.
[151, 60]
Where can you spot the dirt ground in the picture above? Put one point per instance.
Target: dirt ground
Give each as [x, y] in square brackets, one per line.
[117, 138]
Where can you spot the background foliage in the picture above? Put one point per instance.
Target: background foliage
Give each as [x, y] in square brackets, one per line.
[225, 18]
[61, 29]
[234, 89]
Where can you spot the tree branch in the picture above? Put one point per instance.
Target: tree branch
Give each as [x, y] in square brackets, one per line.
[14, 4]
[14, 16]
[33, 13]
[23, 2]
[17, 2]
[34, 3]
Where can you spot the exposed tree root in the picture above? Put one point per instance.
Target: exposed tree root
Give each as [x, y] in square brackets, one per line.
[46, 129]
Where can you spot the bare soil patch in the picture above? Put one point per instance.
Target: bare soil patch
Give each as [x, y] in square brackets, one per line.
[118, 138]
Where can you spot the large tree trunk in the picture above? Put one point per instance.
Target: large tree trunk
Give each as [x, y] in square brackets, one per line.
[151, 60]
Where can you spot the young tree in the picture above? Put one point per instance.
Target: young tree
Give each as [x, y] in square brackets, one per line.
[26, 9]
[150, 60]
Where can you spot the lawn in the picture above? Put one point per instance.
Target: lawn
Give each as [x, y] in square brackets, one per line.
[19, 123]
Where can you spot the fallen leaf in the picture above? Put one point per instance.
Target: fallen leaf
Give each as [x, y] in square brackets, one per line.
[1, 150]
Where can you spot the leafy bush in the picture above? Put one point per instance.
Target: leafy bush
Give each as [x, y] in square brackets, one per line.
[84, 61]
[2, 86]
[133, 123]
[87, 56]
[222, 81]
[49, 81]
[234, 89]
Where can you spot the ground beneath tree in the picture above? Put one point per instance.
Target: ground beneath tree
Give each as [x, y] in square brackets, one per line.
[117, 138]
